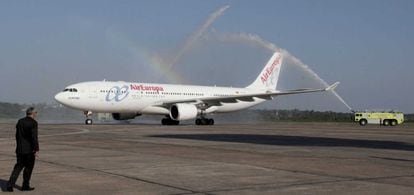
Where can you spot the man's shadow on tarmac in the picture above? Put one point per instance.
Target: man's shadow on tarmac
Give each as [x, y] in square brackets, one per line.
[3, 185]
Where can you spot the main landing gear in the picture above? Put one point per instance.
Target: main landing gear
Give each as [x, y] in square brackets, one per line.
[200, 121]
[204, 121]
[88, 114]
[169, 121]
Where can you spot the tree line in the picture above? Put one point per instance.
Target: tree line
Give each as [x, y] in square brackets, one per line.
[60, 113]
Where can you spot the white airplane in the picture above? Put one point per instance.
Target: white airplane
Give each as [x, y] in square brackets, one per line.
[177, 102]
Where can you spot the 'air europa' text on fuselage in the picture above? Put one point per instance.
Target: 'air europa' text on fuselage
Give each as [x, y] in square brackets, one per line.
[146, 88]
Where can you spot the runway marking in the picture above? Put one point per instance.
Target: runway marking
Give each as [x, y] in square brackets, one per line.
[269, 186]
[114, 174]
[335, 178]
[82, 131]
[120, 175]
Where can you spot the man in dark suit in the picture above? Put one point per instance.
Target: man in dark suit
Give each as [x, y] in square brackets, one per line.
[27, 148]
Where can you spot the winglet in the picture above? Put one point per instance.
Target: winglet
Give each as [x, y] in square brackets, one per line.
[332, 87]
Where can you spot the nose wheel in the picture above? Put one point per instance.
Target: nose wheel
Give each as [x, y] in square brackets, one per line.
[88, 114]
[204, 121]
[88, 121]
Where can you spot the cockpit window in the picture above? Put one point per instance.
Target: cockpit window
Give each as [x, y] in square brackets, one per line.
[71, 89]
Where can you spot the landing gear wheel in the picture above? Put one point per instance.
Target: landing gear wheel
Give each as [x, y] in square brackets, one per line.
[88, 121]
[167, 121]
[198, 121]
[204, 121]
[164, 121]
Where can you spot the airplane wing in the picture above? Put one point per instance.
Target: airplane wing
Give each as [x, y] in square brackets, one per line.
[217, 101]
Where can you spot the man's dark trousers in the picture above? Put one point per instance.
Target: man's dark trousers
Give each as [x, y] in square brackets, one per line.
[27, 162]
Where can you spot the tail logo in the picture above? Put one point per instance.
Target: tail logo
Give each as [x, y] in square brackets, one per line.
[269, 70]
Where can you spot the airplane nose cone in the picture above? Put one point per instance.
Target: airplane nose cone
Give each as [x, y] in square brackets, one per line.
[59, 97]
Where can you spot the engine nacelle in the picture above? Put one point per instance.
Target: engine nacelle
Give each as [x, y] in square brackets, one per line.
[124, 116]
[183, 112]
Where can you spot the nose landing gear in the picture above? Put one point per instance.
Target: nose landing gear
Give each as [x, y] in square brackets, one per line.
[88, 114]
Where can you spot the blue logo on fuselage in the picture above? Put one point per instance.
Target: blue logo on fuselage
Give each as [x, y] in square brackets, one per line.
[117, 93]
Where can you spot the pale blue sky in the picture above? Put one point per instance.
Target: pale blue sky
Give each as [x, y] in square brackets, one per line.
[366, 45]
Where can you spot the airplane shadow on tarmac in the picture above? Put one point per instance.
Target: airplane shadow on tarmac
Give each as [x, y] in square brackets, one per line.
[287, 140]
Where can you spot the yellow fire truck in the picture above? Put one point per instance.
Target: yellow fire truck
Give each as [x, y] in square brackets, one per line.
[382, 118]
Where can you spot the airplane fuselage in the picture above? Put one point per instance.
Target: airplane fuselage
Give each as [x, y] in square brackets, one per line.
[143, 98]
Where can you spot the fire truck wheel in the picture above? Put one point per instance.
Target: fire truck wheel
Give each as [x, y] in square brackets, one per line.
[362, 122]
[386, 122]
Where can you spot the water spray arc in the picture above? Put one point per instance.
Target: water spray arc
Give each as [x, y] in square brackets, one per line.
[196, 35]
[167, 63]
[258, 41]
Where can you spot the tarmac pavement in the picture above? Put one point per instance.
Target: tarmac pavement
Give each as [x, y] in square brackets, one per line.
[273, 158]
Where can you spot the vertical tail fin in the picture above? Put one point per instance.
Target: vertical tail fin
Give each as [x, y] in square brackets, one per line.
[269, 76]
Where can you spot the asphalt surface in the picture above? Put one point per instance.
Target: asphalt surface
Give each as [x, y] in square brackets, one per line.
[278, 158]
